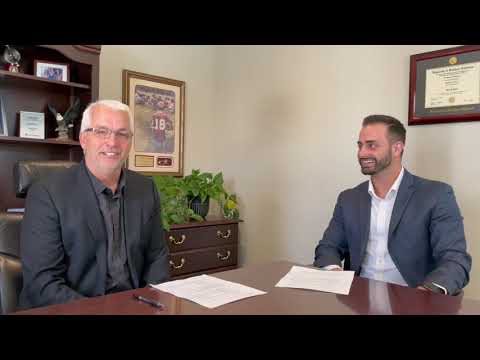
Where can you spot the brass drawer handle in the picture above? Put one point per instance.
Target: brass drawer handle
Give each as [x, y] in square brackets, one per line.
[221, 257]
[175, 241]
[182, 262]
[226, 235]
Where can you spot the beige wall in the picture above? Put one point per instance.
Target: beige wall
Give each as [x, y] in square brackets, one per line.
[282, 122]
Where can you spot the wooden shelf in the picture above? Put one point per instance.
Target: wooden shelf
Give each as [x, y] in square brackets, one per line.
[36, 78]
[16, 139]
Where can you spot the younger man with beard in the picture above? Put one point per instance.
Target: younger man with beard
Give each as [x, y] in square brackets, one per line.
[396, 227]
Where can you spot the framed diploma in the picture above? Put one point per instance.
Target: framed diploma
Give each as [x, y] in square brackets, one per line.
[445, 86]
[32, 125]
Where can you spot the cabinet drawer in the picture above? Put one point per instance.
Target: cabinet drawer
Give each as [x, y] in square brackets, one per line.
[200, 237]
[197, 260]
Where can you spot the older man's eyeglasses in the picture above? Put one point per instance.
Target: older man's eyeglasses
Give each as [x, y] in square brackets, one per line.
[104, 133]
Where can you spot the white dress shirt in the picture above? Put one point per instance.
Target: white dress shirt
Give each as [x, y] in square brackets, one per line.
[377, 263]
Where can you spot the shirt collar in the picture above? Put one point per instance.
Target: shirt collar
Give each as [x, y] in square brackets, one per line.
[394, 188]
[100, 187]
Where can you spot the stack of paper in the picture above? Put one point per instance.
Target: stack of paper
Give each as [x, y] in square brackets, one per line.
[208, 291]
[298, 277]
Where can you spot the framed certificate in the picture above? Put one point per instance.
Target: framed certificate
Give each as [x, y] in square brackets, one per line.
[445, 86]
[32, 125]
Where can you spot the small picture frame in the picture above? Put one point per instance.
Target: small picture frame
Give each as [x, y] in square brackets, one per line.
[52, 70]
[3, 118]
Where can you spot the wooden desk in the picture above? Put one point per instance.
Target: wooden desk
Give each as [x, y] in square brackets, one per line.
[277, 301]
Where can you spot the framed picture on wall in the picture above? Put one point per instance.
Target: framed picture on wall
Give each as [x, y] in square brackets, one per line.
[158, 108]
[445, 86]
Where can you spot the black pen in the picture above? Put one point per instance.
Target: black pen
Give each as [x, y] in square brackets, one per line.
[149, 301]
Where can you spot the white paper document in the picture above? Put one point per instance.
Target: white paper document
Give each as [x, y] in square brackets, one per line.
[298, 277]
[208, 291]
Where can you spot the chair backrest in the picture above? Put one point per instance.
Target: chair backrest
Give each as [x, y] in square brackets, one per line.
[10, 265]
[25, 172]
[11, 281]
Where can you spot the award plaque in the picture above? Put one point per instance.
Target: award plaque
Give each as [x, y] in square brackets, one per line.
[3, 119]
[32, 125]
[445, 86]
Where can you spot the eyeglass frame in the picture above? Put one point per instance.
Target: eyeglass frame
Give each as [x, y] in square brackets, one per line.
[119, 134]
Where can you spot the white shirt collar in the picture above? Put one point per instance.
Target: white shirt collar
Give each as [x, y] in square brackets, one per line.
[394, 187]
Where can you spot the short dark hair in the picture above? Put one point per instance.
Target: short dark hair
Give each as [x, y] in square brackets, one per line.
[396, 130]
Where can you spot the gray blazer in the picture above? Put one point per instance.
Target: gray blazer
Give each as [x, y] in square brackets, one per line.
[426, 239]
[64, 243]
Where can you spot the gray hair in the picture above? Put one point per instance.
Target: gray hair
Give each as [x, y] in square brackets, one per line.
[111, 104]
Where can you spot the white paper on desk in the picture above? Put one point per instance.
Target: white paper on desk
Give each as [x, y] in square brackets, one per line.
[208, 291]
[298, 277]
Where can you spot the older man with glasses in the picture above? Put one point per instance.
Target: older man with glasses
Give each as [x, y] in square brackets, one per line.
[95, 229]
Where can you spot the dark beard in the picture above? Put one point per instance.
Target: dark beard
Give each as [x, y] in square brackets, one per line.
[379, 165]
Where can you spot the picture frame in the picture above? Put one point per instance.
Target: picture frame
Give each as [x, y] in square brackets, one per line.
[158, 109]
[3, 118]
[32, 125]
[445, 86]
[52, 70]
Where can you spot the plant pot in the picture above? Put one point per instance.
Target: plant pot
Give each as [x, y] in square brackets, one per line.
[199, 207]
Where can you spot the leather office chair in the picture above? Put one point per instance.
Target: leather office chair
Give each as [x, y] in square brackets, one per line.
[10, 266]
[25, 173]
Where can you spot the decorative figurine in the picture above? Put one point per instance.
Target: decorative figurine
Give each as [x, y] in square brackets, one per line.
[66, 121]
[12, 57]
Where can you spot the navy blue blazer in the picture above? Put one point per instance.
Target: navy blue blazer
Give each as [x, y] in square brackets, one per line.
[64, 242]
[426, 238]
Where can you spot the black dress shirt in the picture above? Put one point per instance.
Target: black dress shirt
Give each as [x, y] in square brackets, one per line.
[112, 209]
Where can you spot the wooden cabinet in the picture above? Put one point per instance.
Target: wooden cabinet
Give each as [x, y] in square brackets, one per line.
[202, 247]
[23, 91]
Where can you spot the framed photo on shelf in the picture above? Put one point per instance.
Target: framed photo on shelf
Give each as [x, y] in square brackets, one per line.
[445, 86]
[3, 118]
[52, 70]
[158, 108]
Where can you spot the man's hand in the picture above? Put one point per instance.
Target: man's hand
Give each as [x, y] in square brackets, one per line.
[332, 268]
[433, 288]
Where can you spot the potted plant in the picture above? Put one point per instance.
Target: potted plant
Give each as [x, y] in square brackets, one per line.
[188, 198]
[201, 187]
[174, 201]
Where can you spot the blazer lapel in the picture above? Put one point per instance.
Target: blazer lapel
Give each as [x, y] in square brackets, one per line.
[364, 205]
[95, 223]
[404, 195]
[132, 221]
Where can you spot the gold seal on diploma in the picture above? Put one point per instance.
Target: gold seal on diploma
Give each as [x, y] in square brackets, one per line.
[451, 100]
[453, 60]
